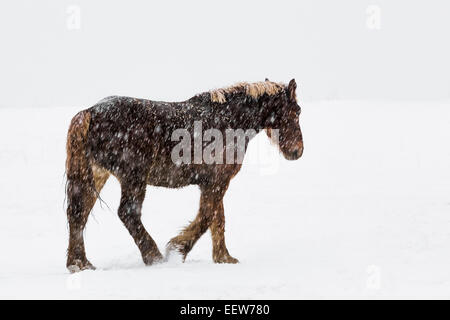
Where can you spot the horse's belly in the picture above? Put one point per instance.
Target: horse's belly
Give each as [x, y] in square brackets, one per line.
[170, 176]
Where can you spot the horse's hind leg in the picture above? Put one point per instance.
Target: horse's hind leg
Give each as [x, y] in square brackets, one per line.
[81, 199]
[133, 194]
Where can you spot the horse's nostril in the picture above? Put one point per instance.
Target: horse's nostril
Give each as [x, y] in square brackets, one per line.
[297, 153]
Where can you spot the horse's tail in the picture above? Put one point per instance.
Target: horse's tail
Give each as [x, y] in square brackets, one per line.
[78, 169]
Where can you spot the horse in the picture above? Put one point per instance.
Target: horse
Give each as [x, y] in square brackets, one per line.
[132, 140]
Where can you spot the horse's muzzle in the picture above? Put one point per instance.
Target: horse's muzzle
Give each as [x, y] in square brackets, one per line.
[296, 154]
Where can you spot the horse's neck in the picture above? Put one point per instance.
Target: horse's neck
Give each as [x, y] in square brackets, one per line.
[253, 118]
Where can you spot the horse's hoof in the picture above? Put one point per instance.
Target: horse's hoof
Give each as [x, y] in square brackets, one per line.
[182, 247]
[78, 265]
[226, 259]
[174, 253]
[153, 258]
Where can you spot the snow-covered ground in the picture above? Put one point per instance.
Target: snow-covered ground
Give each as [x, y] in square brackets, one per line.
[365, 213]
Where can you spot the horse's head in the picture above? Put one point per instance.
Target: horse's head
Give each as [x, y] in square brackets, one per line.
[283, 125]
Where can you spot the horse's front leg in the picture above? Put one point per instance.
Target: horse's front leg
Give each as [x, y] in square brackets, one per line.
[220, 251]
[210, 215]
[184, 242]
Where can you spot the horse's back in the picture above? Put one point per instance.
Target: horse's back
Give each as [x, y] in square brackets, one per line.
[120, 133]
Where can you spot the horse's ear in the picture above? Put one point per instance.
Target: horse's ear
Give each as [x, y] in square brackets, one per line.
[292, 86]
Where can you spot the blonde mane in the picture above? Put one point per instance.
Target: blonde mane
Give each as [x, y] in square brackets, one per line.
[254, 90]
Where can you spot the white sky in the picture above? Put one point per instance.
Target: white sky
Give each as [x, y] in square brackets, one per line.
[175, 49]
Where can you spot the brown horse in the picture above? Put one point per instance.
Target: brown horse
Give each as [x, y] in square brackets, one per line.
[133, 140]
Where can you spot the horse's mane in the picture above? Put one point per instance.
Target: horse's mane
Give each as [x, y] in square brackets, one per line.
[254, 90]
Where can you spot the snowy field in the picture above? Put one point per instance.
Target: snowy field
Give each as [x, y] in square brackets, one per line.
[365, 213]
